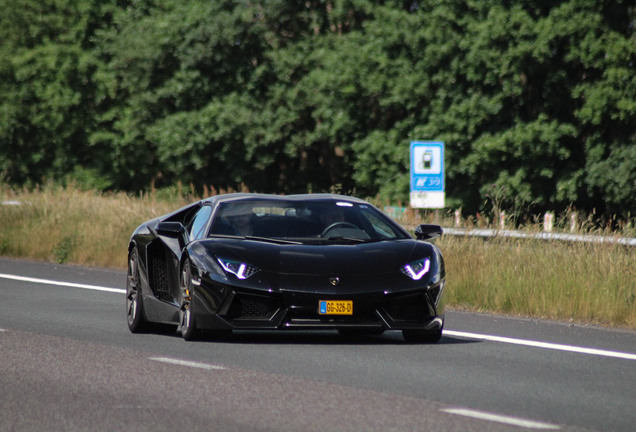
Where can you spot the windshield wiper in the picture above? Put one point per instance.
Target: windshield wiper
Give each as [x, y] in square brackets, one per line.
[256, 238]
[347, 239]
[272, 240]
[225, 236]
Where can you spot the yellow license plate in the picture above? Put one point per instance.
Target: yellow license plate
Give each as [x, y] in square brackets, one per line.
[335, 307]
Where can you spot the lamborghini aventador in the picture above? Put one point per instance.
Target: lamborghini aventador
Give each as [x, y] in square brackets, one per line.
[316, 261]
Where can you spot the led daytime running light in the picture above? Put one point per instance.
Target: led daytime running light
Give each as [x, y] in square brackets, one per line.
[239, 269]
[416, 270]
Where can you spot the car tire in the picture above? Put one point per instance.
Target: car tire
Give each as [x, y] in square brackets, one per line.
[187, 323]
[135, 316]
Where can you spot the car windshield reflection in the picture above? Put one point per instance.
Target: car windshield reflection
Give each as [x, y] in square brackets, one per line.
[306, 222]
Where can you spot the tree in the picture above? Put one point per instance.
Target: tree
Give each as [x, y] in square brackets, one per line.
[534, 97]
[46, 68]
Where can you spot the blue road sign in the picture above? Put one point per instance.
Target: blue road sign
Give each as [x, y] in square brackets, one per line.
[427, 174]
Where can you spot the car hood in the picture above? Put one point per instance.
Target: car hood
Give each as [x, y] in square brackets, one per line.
[342, 259]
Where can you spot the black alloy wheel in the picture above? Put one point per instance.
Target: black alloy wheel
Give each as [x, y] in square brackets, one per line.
[188, 326]
[134, 301]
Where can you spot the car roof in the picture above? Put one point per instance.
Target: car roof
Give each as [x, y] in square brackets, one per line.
[217, 199]
[179, 214]
[271, 197]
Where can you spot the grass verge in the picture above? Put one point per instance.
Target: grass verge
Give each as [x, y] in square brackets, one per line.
[592, 283]
[67, 225]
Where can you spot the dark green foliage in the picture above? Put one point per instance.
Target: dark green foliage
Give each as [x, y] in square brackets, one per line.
[47, 91]
[536, 99]
[64, 249]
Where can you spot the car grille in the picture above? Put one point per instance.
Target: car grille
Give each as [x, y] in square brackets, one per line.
[252, 307]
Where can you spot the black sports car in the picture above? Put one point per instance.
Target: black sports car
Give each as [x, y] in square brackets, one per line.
[317, 261]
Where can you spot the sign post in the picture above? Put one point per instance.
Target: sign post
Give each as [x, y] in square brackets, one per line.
[427, 175]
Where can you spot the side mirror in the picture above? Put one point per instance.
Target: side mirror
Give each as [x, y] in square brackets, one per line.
[427, 232]
[170, 229]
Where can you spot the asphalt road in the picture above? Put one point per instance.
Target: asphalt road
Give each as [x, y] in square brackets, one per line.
[69, 363]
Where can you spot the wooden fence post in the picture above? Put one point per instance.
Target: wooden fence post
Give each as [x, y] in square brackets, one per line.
[548, 221]
[573, 222]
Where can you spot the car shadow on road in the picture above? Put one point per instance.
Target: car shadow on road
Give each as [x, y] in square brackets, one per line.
[322, 338]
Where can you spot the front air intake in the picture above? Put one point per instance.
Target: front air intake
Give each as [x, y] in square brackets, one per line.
[246, 307]
[411, 307]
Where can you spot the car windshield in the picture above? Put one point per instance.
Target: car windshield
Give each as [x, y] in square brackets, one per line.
[304, 221]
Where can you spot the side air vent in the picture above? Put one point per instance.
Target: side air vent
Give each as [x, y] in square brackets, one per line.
[158, 272]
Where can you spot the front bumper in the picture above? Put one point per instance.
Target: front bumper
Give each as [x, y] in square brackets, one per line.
[225, 307]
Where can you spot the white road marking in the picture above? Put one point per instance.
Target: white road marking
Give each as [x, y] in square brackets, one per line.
[544, 345]
[66, 284]
[187, 363]
[514, 421]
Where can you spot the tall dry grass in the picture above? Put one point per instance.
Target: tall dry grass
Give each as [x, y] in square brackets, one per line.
[67, 225]
[593, 283]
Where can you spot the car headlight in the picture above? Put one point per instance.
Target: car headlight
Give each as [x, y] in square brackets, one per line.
[416, 269]
[238, 268]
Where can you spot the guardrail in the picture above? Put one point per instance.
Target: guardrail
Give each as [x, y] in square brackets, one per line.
[584, 238]
[397, 213]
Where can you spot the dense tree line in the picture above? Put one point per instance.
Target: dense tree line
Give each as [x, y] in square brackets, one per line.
[533, 98]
